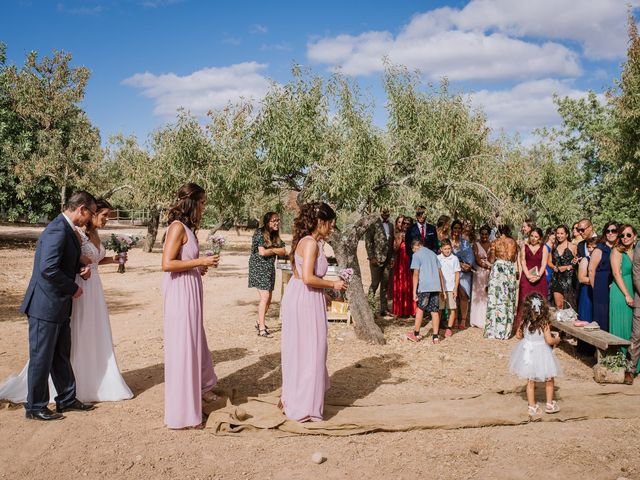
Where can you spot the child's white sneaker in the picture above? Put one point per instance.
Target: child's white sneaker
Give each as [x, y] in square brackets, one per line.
[552, 407]
[534, 410]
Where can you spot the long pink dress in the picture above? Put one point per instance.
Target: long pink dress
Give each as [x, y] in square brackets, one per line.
[479, 298]
[305, 378]
[188, 368]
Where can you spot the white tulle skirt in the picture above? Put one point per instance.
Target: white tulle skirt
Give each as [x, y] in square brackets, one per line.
[534, 360]
[98, 378]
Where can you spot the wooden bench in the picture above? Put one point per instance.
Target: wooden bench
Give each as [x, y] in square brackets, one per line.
[606, 343]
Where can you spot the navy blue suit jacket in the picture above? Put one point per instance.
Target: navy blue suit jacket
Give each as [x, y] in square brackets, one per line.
[430, 237]
[52, 285]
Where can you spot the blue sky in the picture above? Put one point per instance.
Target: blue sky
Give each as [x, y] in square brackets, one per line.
[148, 57]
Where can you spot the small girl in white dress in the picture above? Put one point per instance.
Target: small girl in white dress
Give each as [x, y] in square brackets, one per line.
[532, 358]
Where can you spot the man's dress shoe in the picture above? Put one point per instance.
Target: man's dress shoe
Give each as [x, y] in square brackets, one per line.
[76, 405]
[45, 414]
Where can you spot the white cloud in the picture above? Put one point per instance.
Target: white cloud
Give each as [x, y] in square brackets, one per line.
[257, 28]
[526, 106]
[487, 39]
[598, 25]
[84, 10]
[159, 3]
[456, 54]
[203, 90]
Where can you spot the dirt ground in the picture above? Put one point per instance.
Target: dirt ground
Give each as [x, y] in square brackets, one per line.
[128, 439]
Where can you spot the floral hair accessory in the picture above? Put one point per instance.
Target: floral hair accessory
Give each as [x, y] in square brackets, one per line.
[536, 303]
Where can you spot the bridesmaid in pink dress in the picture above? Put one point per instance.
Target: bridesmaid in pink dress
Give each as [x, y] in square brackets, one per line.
[188, 368]
[305, 378]
[480, 279]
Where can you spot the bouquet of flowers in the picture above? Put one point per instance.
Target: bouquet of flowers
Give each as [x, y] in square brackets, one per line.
[215, 243]
[345, 274]
[121, 244]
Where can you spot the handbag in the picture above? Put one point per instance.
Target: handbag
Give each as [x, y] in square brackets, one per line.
[566, 314]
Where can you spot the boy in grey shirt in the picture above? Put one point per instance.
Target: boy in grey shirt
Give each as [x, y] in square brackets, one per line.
[428, 286]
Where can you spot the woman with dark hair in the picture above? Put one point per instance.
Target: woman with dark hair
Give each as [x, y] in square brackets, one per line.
[503, 286]
[188, 370]
[533, 278]
[98, 378]
[549, 241]
[621, 294]
[562, 261]
[575, 234]
[443, 230]
[304, 316]
[266, 246]
[600, 274]
[403, 304]
[463, 250]
[480, 278]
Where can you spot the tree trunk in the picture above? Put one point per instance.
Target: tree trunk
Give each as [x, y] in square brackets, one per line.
[345, 247]
[63, 197]
[216, 227]
[152, 229]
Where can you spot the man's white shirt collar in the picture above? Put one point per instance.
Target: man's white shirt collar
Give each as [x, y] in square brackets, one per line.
[73, 227]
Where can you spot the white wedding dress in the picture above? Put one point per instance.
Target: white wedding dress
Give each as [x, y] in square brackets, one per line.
[98, 378]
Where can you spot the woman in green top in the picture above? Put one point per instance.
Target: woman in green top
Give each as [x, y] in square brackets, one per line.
[621, 292]
[266, 245]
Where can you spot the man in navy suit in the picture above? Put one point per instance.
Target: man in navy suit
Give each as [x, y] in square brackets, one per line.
[48, 303]
[423, 231]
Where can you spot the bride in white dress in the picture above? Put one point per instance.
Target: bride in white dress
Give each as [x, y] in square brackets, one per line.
[98, 378]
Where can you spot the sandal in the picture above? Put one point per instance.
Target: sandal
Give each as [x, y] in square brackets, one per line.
[209, 396]
[534, 410]
[257, 325]
[265, 333]
[435, 339]
[552, 407]
[448, 332]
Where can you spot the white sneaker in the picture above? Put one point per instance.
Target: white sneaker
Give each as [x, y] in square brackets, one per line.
[534, 410]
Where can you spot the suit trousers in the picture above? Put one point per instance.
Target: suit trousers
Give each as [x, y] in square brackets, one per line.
[634, 349]
[49, 354]
[380, 276]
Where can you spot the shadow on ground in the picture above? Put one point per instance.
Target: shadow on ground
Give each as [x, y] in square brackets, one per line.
[142, 379]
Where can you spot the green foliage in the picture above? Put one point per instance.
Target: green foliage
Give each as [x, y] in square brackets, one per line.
[46, 140]
[439, 151]
[602, 138]
[615, 362]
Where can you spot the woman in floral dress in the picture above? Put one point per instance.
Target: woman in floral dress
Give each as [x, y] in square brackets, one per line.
[503, 287]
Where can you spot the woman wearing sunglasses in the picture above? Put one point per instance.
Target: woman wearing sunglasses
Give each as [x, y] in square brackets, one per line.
[600, 274]
[621, 297]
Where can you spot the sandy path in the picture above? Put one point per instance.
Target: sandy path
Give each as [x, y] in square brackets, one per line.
[128, 439]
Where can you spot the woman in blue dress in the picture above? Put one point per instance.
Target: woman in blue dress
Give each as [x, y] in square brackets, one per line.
[600, 274]
[585, 291]
[463, 249]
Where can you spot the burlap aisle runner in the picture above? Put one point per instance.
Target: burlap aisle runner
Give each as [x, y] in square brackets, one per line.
[452, 412]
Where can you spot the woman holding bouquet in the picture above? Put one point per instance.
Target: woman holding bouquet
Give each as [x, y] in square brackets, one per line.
[266, 246]
[533, 261]
[304, 316]
[188, 370]
[98, 378]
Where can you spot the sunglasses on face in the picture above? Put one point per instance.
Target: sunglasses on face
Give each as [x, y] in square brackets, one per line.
[625, 235]
[581, 230]
[612, 230]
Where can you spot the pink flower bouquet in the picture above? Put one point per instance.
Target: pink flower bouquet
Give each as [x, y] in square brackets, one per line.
[121, 244]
